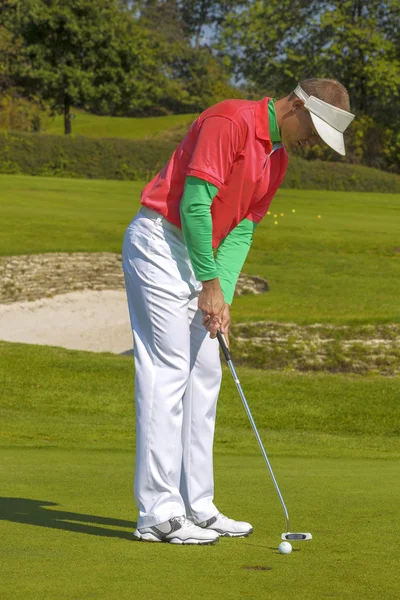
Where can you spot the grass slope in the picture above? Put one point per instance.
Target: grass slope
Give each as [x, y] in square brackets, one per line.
[67, 509]
[341, 268]
[63, 398]
[125, 127]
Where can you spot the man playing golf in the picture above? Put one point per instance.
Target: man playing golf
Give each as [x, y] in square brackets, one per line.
[182, 255]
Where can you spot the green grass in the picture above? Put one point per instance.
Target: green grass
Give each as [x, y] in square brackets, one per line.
[66, 215]
[125, 127]
[69, 515]
[67, 435]
[66, 469]
[80, 399]
[342, 268]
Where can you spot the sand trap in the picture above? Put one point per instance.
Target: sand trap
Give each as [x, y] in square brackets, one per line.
[91, 320]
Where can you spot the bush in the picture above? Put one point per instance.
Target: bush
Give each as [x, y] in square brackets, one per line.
[20, 114]
[318, 174]
[82, 157]
[116, 158]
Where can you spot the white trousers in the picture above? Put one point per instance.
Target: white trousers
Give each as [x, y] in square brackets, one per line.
[178, 375]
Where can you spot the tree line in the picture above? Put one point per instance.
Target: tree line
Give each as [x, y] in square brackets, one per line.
[154, 57]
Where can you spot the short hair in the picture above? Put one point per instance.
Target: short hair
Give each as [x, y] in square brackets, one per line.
[328, 90]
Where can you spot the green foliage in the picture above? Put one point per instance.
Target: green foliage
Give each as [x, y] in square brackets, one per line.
[277, 43]
[204, 79]
[261, 41]
[103, 56]
[197, 15]
[87, 52]
[362, 51]
[112, 158]
[198, 77]
[19, 114]
[9, 48]
[323, 175]
[114, 58]
[81, 156]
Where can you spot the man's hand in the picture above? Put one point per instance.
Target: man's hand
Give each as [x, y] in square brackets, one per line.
[226, 321]
[211, 303]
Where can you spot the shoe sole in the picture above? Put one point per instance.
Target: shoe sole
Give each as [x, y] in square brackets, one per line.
[148, 537]
[228, 534]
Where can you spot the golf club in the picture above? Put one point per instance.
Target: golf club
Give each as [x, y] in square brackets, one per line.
[285, 536]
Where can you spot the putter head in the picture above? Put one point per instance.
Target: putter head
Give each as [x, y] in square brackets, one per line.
[296, 537]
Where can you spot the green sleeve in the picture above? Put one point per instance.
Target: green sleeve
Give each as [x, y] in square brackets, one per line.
[231, 256]
[197, 232]
[197, 226]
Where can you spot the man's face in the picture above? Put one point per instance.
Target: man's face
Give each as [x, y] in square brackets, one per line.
[297, 128]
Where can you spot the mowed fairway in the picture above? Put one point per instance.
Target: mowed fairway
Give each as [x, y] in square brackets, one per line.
[66, 470]
[125, 127]
[343, 267]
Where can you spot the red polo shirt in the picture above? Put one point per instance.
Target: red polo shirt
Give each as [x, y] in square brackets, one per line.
[229, 146]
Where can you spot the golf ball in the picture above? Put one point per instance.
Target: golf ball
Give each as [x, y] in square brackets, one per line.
[285, 548]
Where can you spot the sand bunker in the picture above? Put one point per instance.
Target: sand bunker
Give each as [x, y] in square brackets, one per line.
[91, 320]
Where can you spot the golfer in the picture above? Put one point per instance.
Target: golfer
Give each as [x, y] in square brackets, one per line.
[182, 255]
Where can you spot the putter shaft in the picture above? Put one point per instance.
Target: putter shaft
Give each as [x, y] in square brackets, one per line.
[228, 358]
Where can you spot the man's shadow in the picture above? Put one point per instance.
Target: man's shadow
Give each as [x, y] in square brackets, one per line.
[34, 512]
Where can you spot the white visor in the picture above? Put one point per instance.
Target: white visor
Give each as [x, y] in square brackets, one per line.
[329, 121]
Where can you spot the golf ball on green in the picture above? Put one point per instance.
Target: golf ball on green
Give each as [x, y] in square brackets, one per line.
[285, 548]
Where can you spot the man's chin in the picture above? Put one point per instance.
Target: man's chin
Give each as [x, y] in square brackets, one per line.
[293, 146]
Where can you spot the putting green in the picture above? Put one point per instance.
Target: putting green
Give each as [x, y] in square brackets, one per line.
[68, 518]
[67, 509]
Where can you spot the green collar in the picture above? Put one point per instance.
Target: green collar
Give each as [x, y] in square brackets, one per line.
[273, 124]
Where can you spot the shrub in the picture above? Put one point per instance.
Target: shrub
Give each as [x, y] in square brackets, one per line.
[118, 158]
[20, 114]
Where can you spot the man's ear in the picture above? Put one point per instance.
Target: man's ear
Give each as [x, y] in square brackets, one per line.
[298, 104]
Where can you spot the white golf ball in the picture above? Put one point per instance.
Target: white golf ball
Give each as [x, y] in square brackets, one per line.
[285, 548]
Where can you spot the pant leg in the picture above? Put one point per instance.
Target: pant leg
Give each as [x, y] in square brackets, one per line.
[199, 411]
[159, 284]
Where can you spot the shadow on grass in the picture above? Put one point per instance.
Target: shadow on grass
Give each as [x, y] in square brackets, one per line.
[35, 512]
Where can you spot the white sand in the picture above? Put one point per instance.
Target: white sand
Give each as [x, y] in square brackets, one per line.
[91, 320]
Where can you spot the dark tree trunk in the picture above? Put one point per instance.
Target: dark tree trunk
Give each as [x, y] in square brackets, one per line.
[67, 117]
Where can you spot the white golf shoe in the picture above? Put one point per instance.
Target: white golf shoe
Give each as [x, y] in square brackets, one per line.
[177, 530]
[226, 527]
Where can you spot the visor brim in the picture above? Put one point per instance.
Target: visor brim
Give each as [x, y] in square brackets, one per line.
[329, 134]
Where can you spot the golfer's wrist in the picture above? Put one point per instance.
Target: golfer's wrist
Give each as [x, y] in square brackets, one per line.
[211, 284]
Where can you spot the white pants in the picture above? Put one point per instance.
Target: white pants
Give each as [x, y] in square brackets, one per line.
[178, 375]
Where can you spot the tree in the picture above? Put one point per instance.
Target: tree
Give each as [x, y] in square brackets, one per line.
[86, 52]
[7, 54]
[111, 57]
[363, 52]
[262, 41]
[197, 15]
[275, 43]
[195, 76]
[163, 18]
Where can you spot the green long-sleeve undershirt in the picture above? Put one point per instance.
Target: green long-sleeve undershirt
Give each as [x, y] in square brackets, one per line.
[197, 232]
[231, 256]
